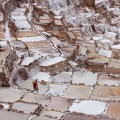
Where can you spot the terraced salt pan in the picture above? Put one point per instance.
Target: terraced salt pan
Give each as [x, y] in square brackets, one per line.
[59, 104]
[25, 107]
[107, 91]
[97, 37]
[18, 11]
[105, 41]
[10, 94]
[112, 35]
[72, 63]
[7, 32]
[42, 118]
[86, 78]
[52, 114]
[64, 77]
[1, 17]
[32, 39]
[37, 51]
[3, 43]
[106, 53]
[52, 61]
[5, 115]
[72, 92]
[22, 24]
[116, 46]
[42, 76]
[28, 60]
[35, 98]
[16, 17]
[88, 107]
[109, 82]
[56, 90]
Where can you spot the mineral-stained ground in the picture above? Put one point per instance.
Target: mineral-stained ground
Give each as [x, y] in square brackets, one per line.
[71, 47]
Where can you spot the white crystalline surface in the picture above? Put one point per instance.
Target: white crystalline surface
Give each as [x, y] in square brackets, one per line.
[3, 43]
[1, 18]
[22, 24]
[86, 78]
[42, 76]
[56, 89]
[109, 82]
[106, 53]
[116, 46]
[52, 61]
[64, 77]
[29, 60]
[18, 11]
[18, 17]
[7, 32]
[88, 107]
[32, 39]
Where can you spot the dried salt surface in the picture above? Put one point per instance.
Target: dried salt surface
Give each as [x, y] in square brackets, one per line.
[55, 41]
[97, 37]
[52, 114]
[42, 118]
[25, 107]
[46, 33]
[87, 78]
[18, 11]
[106, 53]
[107, 91]
[59, 104]
[52, 61]
[3, 43]
[7, 32]
[64, 77]
[10, 94]
[5, 115]
[72, 116]
[42, 76]
[89, 107]
[105, 41]
[105, 98]
[116, 46]
[56, 90]
[110, 36]
[72, 92]
[114, 110]
[18, 43]
[22, 24]
[72, 63]
[32, 39]
[16, 17]
[35, 98]
[1, 17]
[108, 80]
[28, 60]
[58, 17]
